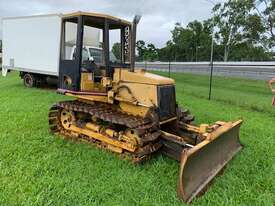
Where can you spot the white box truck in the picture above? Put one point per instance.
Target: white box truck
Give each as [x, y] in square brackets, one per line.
[31, 45]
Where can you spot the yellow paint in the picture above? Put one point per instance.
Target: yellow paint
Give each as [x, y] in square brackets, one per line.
[111, 96]
[144, 94]
[106, 82]
[168, 120]
[114, 149]
[110, 132]
[135, 91]
[103, 138]
[87, 82]
[142, 86]
[141, 77]
[89, 97]
[94, 127]
[134, 109]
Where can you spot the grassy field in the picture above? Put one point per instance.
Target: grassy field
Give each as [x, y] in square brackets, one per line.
[37, 168]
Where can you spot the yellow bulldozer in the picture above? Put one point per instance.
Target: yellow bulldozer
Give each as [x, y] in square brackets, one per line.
[132, 112]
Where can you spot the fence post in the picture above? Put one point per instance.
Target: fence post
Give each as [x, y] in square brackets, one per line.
[169, 68]
[211, 64]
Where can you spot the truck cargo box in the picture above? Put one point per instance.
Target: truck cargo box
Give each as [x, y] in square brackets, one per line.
[31, 43]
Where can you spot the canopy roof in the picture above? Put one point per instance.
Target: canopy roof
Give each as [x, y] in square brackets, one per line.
[80, 13]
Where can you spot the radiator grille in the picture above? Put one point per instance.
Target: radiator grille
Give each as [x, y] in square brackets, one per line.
[166, 102]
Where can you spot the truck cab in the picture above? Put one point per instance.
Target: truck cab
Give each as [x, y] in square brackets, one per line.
[91, 53]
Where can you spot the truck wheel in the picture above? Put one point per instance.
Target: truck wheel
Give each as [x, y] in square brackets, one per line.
[29, 80]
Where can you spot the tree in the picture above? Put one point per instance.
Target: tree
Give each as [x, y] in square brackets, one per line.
[253, 29]
[166, 53]
[245, 51]
[116, 50]
[190, 43]
[230, 18]
[146, 52]
[245, 24]
[244, 30]
[264, 11]
[151, 53]
[141, 48]
[0, 46]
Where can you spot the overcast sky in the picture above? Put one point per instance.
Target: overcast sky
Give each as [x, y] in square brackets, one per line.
[158, 16]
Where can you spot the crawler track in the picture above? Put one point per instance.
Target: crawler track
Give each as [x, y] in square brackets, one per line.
[146, 129]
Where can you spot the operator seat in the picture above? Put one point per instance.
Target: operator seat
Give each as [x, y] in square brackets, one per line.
[89, 66]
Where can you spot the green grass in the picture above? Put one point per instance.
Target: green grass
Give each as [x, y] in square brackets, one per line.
[36, 168]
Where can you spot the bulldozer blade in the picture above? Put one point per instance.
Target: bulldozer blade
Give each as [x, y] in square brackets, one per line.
[200, 164]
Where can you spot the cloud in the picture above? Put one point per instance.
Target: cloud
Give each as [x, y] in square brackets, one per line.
[158, 16]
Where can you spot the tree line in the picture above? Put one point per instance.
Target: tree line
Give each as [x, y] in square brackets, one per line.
[242, 30]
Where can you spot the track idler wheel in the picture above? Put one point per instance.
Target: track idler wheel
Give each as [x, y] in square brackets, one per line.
[67, 118]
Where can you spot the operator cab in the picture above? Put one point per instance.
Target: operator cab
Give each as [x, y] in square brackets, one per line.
[92, 46]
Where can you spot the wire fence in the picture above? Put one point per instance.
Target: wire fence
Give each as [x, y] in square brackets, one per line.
[252, 70]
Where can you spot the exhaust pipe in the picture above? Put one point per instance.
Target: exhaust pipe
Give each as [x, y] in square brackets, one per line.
[133, 42]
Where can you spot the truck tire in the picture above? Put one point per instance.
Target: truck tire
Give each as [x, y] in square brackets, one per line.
[29, 80]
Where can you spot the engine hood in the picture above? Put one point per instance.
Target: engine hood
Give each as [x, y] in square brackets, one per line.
[142, 77]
